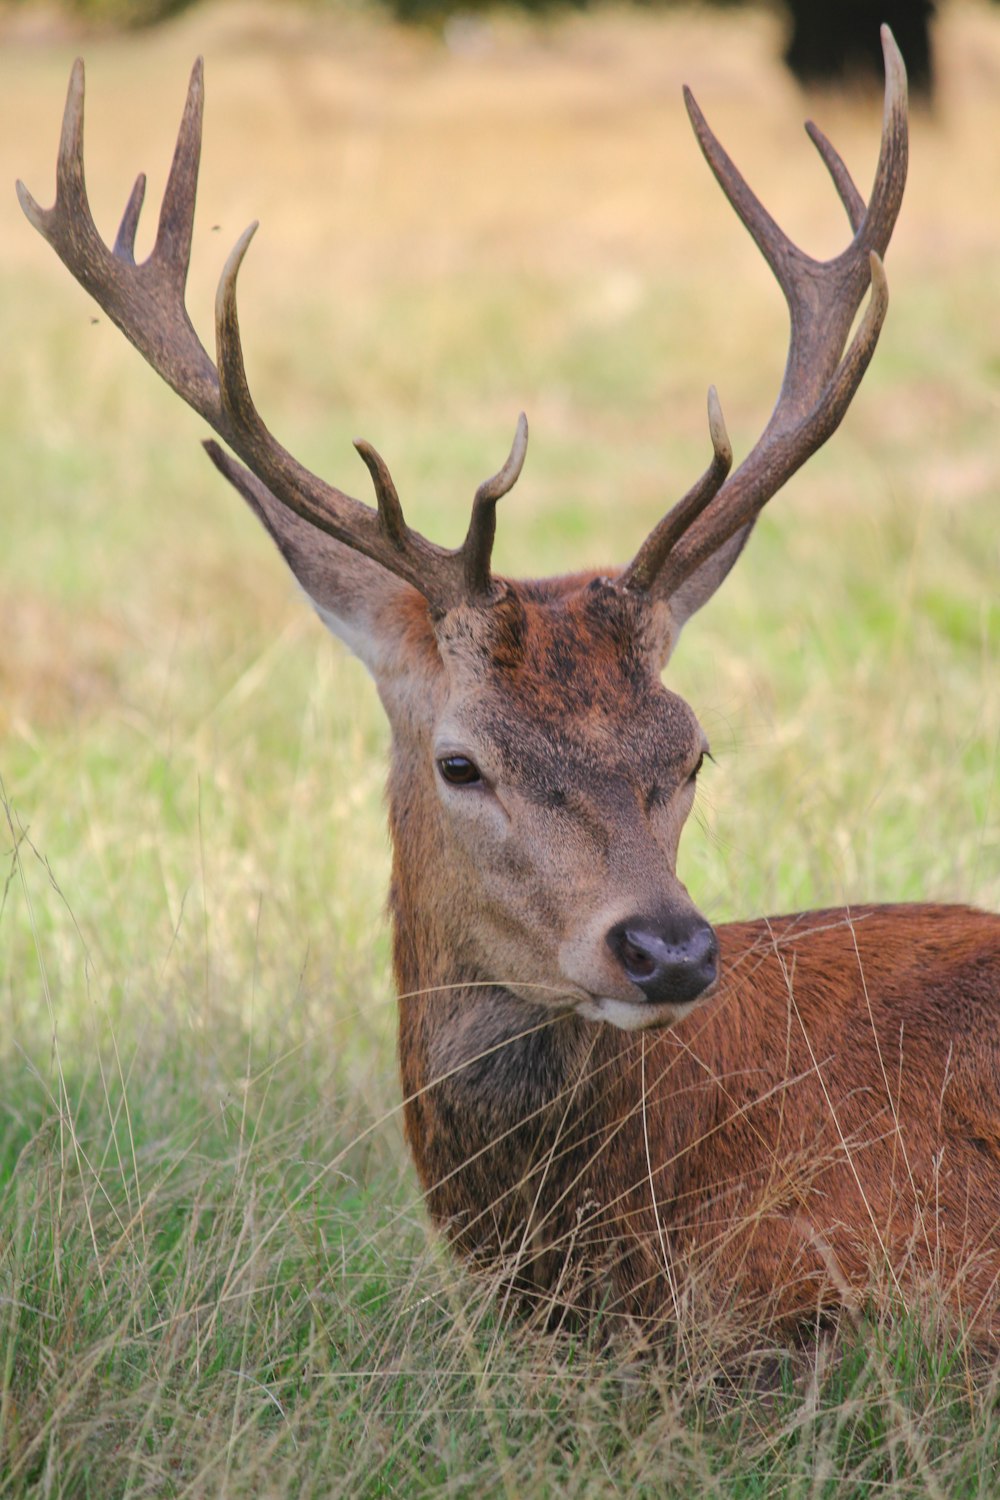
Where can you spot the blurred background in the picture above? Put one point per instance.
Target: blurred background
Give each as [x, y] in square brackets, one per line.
[823, 43]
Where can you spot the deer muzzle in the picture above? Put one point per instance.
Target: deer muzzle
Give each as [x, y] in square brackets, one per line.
[672, 961]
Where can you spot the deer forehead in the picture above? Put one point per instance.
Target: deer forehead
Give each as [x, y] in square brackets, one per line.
[561, 687]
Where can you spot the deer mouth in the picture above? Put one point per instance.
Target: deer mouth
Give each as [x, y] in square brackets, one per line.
[641, 1014]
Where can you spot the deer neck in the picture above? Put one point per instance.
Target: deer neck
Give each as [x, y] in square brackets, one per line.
[456, 1022]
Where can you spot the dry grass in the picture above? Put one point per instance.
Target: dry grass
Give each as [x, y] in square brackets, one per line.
[216, 1276]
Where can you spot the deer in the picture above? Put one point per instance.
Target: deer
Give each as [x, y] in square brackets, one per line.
[617, 1109]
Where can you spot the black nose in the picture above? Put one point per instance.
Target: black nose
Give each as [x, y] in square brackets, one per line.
[672, 961]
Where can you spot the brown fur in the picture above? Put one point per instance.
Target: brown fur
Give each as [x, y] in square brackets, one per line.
[826, 1119]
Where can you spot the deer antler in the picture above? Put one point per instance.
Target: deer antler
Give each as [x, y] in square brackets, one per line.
[146, 301]
[820, 378]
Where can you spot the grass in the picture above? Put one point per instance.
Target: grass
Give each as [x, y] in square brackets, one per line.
[215, 1271]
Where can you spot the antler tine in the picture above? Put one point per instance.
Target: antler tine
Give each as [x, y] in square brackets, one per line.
[390, 511]
[842, 180]
[124, 248]
[176, 224]
[823, 298]
[71, 189]
[477, 549]
[642, 570]
[775, 246]
[890, 171]
[70, 184]
[233, 386]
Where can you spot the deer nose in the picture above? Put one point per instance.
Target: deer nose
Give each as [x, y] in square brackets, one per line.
[672, 961]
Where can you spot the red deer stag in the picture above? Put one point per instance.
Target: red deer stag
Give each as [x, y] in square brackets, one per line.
[606, 1098]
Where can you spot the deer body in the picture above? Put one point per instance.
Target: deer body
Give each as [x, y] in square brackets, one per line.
[611, 1102]
[829, 1114]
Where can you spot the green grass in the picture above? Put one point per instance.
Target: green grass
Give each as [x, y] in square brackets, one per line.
[216, 1276]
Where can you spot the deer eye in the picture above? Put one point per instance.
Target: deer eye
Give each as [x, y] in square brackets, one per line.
[459, 770]
[701, 761]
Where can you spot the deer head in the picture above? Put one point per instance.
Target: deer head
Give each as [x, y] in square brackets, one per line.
[541, 772]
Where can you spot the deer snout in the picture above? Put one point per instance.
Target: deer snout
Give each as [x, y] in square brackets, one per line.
[672, 961]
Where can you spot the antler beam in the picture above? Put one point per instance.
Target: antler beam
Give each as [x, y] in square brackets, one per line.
[146, 302]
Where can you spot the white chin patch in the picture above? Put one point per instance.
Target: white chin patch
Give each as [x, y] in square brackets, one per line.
[632, 1015]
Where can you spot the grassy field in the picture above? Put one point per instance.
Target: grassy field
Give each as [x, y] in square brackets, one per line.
[216, 1277]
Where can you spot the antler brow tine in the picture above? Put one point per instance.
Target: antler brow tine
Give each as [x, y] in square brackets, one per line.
[641, 573]
[477, 549]
[389, 508]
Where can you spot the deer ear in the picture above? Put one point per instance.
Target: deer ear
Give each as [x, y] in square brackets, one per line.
[703, 582]
[367, 607]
